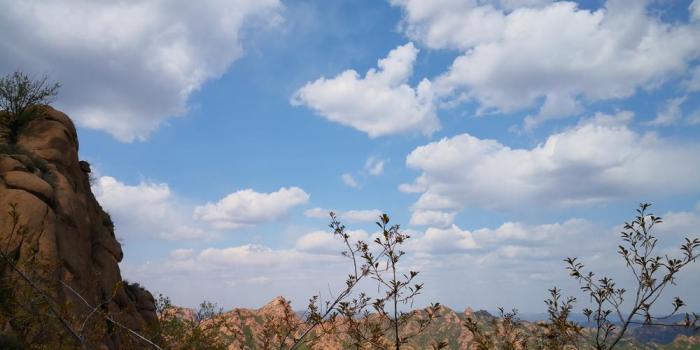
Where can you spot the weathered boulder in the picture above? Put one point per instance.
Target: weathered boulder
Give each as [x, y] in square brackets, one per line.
[29, 182]
[7, 163]
[68, 231]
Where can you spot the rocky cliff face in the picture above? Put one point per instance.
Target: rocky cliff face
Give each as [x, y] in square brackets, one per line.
[66, 232]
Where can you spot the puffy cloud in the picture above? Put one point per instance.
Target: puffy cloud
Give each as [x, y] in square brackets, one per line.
[366, 215]
[375, 166]
[544, 234]
[432, 218]
[152, 210]
[127, 66]
[316, 241]
[247, 207]
[349, 180]
[514, 236]
[326, 242]
[573, 167]
[380, 103]
[450, 23]
[452, 239]
[146, 210]
[514, 57]
[681, 224]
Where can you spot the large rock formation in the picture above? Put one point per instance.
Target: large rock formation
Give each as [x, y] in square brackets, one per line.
[66, 233]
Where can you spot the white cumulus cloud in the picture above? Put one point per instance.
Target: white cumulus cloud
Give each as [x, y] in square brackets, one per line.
[509, 239]
[326, 242]
[432, 218]
[599, 160]
[680, 224]
[126, 66]
[555, 56]
[151, 209]
[451, 239]
[380, 103]
[146, 210]
[247, 207]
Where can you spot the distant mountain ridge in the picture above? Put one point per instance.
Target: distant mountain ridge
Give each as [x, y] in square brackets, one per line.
[249, 324]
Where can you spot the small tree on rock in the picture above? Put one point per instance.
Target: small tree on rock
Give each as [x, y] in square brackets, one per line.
[19, 94]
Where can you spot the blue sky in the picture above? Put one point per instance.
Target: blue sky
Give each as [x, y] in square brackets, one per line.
[503, 135]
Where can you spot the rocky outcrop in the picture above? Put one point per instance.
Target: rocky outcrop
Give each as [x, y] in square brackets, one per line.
[66, 230]
[251, 328]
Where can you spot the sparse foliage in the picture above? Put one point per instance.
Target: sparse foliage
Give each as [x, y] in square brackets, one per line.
[325, 315]
[559, 332]
[653, 273]
[379, 322]
[203, 329]
[507, 332]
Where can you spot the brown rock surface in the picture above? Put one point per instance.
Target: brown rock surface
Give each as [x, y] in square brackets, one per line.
[29, 182]
[248, 327]
[67, 229]
[7, 163]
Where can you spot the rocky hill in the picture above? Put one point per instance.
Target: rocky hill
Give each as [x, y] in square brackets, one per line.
[55, 231]
[261, 329]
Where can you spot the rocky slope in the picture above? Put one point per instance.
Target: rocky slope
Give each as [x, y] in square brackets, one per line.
[251, 328]
[262, 329]
[66, 233]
